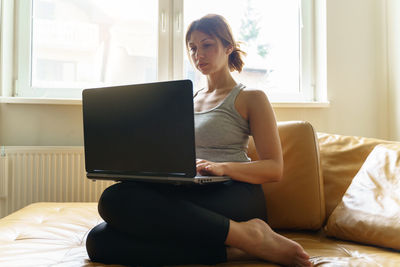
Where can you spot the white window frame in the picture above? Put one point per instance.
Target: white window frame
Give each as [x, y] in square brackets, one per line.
[6, 48]
[313, 86]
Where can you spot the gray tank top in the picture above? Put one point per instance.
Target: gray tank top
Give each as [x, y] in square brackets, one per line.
[222, 134]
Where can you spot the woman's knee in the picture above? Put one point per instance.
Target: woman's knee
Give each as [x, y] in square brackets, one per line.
[107, 200]
[95, 241]
[122, 200]
[113, 199]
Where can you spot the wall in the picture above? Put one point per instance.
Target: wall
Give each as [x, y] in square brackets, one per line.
[393, 15]
[41, 125]
[356, 58]
[358, 85]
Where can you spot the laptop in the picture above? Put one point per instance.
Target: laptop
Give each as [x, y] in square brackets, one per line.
[142, 132]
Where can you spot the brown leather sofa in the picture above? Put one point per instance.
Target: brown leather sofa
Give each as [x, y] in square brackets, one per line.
[319, 169]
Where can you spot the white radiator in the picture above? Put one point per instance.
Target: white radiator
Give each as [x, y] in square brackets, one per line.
[44, 174]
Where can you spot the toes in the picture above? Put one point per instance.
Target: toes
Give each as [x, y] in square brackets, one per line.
[302, 258]
[303, 263]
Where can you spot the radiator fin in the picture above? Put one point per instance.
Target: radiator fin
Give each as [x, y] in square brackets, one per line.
[3, 176]
[45, 174]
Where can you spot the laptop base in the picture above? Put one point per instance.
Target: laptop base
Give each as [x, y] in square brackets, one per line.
[198, 180]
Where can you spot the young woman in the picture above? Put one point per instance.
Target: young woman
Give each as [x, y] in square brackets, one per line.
[149, 224]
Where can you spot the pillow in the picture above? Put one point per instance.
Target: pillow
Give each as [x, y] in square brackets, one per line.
[341, 158]
[370, 209]
[297, 201]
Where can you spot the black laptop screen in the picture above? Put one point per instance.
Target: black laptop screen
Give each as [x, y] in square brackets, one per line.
[140, 129]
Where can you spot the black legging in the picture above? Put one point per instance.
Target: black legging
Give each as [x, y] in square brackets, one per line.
[158, 224]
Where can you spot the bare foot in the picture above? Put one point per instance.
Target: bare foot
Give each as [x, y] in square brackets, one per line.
[270, 246]
[235, 254]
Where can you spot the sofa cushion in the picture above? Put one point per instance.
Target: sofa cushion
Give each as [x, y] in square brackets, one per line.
[370, 209]
[341, 158]
[297, 201]
[54, 234]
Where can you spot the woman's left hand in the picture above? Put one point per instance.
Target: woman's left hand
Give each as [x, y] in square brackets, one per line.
[205, 167]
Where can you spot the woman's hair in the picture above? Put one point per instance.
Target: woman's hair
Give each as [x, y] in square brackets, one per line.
[217, 26]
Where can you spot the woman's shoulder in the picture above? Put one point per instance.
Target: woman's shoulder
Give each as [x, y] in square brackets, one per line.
[250, 101]
[251, 95]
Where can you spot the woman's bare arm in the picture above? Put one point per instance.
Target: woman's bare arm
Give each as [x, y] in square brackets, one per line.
[255, 107]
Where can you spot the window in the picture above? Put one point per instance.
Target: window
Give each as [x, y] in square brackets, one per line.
[270, 33]
[83, 44]
[67, 45]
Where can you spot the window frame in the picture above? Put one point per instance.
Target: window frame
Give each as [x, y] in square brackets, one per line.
[170, 50]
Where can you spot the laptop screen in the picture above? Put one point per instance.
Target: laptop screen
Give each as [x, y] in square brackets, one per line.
[142, 129]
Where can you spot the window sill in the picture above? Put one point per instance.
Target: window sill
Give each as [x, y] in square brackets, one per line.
[44, 101]
[61, 101]
[321, 104]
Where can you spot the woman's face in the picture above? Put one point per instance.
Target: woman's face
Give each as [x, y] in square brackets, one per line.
[207, 53]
